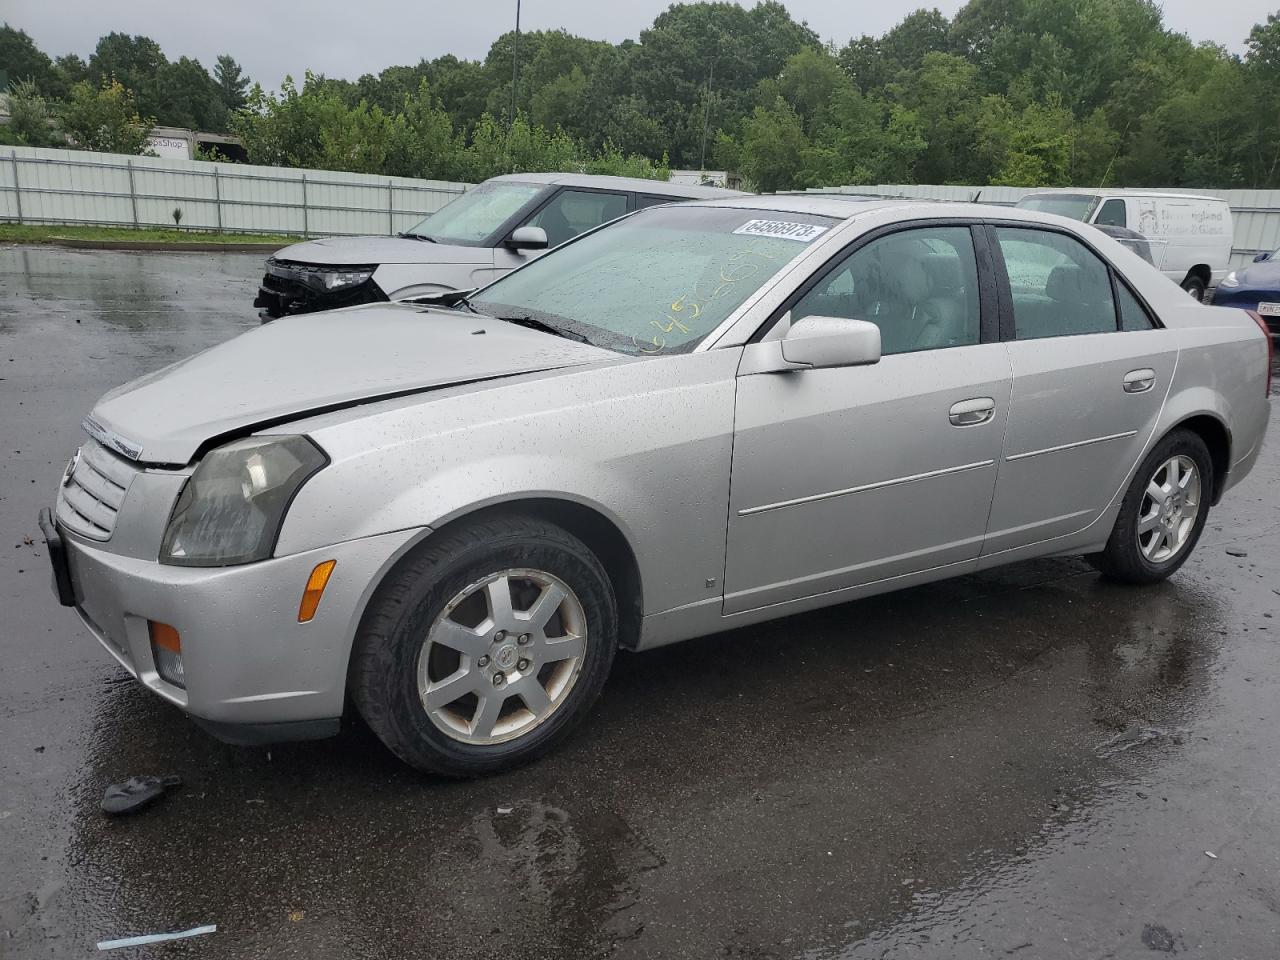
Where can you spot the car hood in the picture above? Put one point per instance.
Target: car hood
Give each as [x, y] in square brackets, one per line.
[361, 251]
[1264, 275]
[315, 362]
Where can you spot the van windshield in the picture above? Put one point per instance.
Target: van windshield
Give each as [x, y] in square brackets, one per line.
[1077, 206]
[474, 216]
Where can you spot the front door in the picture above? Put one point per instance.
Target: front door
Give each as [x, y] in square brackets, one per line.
[1091, 370]
[843, 477]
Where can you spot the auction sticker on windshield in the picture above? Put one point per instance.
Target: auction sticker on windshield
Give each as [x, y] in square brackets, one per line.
[784, 229]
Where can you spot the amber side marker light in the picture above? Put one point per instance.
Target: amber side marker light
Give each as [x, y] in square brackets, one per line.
[316, 583]
[166, 652]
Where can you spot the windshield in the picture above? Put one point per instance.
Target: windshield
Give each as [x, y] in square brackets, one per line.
[1077, 206]
[475, 215]
[656, 282]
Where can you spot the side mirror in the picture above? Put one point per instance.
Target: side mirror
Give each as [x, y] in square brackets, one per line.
[819, 342]
[528, 238]
[1262, 257]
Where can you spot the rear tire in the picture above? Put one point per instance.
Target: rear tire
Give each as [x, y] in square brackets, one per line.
[1194, 286]
[512, 611]
[1156, 531]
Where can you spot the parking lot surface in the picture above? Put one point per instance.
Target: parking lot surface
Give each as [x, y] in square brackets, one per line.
[1030, 763]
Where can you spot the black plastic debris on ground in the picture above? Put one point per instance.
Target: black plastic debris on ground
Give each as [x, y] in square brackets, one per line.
[136, 793]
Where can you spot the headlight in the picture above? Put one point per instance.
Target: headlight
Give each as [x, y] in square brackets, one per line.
[1230, 280]
[231, 509]
[345, 278]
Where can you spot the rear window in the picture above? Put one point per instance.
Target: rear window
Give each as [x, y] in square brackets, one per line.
[1077, 206]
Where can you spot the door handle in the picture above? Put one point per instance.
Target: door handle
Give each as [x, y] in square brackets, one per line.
[970, 413]
[1139, 381]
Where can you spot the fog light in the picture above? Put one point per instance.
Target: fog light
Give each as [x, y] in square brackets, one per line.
[166, 651]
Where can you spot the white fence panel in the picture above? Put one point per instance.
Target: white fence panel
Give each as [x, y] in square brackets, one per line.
[1255, 214]
[80, 187]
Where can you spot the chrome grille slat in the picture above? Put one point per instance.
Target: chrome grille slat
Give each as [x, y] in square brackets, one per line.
[115, 468]
[103, 489]
[87, 505]
[74, 520]
[90, 498]
[98, 473]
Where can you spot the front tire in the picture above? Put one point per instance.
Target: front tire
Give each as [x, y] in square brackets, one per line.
[1163, 513]
[484, 648]
[1194, 286]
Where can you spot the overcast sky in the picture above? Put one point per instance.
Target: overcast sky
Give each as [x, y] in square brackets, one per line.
[344, 39]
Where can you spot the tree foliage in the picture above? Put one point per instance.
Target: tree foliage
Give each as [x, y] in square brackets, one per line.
[30, 124]
[105, 118]
[1026, 92]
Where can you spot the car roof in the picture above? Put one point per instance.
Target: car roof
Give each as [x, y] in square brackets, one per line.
[1108, 192]
[658, 188]
[840, 206]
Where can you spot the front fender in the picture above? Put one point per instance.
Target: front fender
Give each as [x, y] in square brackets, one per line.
[646, 445]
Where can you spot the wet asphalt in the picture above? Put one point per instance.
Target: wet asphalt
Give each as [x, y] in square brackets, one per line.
[1031, 762]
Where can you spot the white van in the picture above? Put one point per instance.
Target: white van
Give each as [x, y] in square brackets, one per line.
[1190, 235]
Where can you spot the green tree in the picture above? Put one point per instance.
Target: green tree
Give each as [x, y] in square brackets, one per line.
[71, 70]
[30, 124]
[190, 97]
[423, 142]
[105, 118]
[775, 148]
[133, 61]
[233, 85]
[21, 59]
[873, 63]
[695, 47]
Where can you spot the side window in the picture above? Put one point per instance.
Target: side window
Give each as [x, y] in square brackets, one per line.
[920, 287]
[1111, 214]
[571, 212]
[1059, 286]
[646, 200]
[1132, 314]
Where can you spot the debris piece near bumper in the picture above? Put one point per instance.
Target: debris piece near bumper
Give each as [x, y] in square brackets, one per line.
[135, 793]
[156, 937]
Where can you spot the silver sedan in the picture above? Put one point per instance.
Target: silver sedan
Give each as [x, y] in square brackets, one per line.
[453, 514]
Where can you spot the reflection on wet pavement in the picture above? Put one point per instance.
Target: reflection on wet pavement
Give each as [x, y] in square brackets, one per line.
[1030, 762]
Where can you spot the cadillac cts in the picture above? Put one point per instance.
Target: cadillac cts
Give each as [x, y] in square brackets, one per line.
[451, 515]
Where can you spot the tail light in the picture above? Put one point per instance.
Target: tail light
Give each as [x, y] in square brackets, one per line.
[1271, 347]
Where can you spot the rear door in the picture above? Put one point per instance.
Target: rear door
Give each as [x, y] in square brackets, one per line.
[1091, 369]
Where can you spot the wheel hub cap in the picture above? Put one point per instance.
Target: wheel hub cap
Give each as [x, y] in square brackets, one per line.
[505, 656]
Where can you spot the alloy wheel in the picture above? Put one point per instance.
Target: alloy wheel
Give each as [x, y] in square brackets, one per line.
[1170, 506]
[502, 656]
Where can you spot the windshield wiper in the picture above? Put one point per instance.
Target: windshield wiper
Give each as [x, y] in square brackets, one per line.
[417, 236]
[532, 323]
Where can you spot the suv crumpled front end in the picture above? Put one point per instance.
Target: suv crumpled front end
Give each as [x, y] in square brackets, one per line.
[290, 287]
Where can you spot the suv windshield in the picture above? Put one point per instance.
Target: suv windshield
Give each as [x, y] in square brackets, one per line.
[1077, 206]
[475, 215]
[656, 282]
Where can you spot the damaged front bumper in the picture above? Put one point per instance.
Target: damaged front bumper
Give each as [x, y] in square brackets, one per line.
[252, 672]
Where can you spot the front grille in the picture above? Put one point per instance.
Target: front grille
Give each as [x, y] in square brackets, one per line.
[92, 491]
